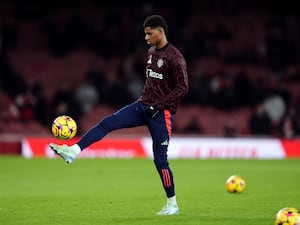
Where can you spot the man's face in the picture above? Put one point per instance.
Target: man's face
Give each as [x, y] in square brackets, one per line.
[153, 35]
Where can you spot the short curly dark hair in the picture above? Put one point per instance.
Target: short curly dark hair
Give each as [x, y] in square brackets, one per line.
[154, 21]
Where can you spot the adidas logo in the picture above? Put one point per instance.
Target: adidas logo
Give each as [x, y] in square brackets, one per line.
[149, 60]
[165, 143]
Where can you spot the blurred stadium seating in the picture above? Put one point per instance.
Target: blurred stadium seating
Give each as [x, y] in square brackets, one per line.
[234, 37]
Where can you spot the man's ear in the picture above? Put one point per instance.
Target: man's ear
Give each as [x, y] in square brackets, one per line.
[161, 30]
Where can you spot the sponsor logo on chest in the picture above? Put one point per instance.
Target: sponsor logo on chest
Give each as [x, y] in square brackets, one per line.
[153, 74]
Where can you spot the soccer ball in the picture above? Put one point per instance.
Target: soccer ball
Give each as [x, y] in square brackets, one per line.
[235, 184]
[288, 216]
[64, 127]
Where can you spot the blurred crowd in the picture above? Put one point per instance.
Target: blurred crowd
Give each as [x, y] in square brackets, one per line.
[240, 54]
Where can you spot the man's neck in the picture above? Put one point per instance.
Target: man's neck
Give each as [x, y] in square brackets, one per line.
[162, 43]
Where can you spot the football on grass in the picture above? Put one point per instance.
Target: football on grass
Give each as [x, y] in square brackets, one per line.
[64, 127]
[288, 216]
[235, 184]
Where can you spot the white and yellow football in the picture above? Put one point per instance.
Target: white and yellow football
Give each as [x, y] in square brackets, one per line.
[64, 127]
[288, 216]
[235, 184]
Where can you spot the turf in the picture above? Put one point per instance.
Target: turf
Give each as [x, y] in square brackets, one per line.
[128, 191]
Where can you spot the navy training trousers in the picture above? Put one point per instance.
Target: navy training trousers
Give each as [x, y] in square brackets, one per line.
[133, 115]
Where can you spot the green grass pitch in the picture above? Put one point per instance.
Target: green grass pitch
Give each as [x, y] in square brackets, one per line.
[128, 191]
